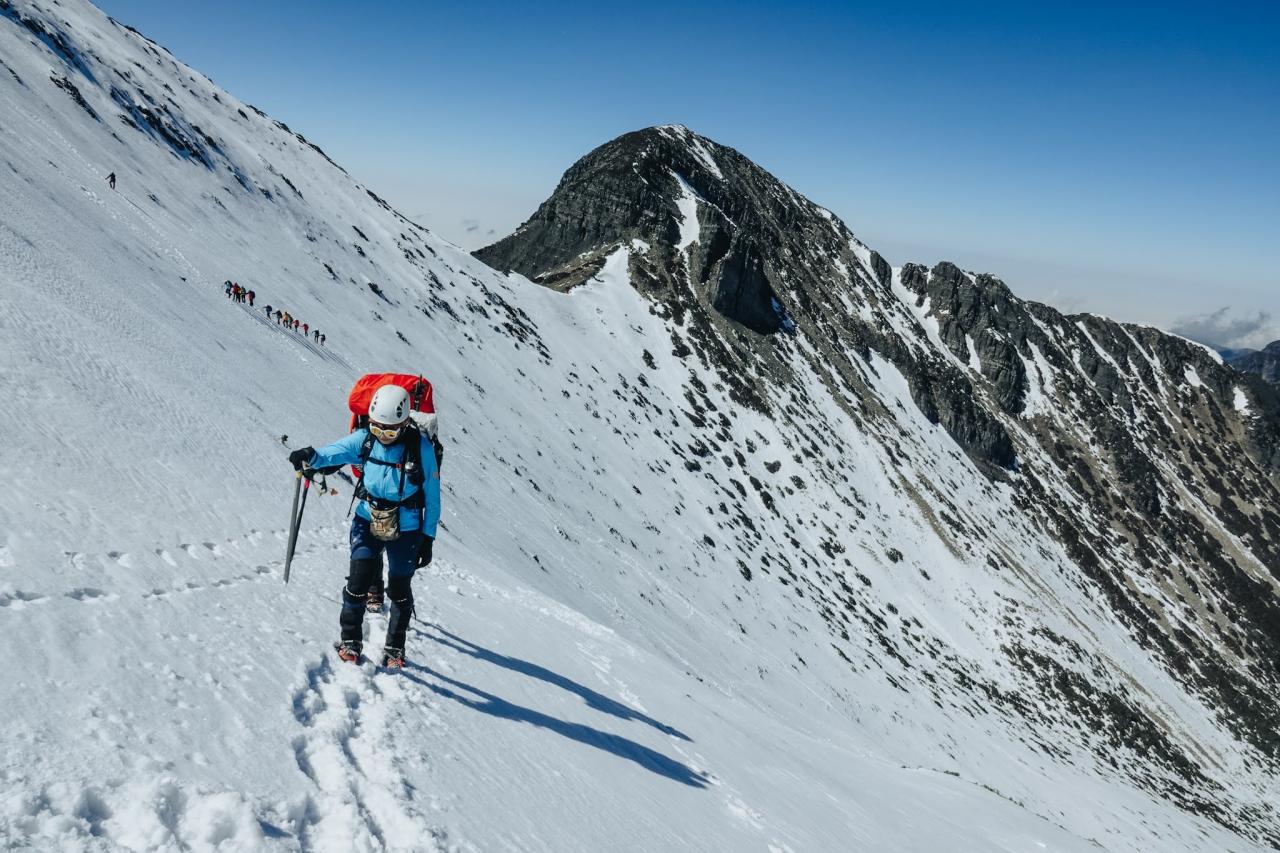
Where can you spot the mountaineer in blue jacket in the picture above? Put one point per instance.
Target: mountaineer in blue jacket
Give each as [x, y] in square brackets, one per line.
[398, 513]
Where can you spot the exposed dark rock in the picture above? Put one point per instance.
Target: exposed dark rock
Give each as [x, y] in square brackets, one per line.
[186, 141]
[58, 42]
[12, 73]
[70, 88]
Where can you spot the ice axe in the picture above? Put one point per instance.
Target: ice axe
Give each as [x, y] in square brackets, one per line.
[295, 518]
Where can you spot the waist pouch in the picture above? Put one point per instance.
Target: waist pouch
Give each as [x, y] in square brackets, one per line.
[384, 519]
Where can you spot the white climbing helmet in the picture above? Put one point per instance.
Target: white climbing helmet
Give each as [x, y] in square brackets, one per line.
[390, 405]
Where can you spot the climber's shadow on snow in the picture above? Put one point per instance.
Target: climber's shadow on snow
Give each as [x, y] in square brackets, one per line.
[622, 747]
[596, 700]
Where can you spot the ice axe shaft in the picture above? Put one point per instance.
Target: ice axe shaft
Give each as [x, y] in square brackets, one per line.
[295, 519]
[293, 531]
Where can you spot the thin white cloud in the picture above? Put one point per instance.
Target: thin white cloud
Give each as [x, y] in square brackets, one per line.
[1227, 328]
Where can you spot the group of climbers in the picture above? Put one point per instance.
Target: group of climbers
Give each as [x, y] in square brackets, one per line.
[236, 293]
[284, 318]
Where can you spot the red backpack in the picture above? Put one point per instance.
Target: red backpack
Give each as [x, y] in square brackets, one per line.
[421, 399]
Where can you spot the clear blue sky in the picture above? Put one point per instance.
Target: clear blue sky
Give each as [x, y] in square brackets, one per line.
[1117, 160]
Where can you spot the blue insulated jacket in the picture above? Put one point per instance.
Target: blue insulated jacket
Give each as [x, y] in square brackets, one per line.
[383, 481]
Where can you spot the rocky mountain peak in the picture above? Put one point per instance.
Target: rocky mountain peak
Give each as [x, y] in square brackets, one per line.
[744, 264]
[687, 199]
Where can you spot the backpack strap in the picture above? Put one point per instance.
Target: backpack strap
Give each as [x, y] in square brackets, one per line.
[415, 395]
[438, 447]
[410, 465]
[412, 462]
[366, 448]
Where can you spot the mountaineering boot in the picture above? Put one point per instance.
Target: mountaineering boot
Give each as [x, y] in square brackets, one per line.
[392, 658]
[348, 650]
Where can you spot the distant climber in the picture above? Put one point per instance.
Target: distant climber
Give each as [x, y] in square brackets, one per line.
[228, 288]
[306, 329]
[279, 316]
[323, 338]
[111, 180]
[251, 295]
[267, 310]
[316, 335]
[296, 323]
[398, 513]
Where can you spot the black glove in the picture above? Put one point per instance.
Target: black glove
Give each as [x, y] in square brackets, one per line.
[424, 551]
[300, 457]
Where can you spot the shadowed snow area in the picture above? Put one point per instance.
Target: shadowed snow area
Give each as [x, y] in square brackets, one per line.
[593, 665]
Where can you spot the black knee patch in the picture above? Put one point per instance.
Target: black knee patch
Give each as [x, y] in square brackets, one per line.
[400, 588]
[362, 575]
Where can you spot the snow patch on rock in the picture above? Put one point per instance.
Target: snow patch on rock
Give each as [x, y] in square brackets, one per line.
[1240, 400]
[688, 206]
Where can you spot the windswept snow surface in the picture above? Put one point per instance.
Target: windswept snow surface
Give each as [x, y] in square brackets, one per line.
[590, 670]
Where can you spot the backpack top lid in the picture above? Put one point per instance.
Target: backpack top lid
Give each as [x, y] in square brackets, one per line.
[420, 391]
[421, 396]
[422, 414]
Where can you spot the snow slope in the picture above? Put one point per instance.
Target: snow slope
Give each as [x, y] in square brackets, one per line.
[593, 667]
